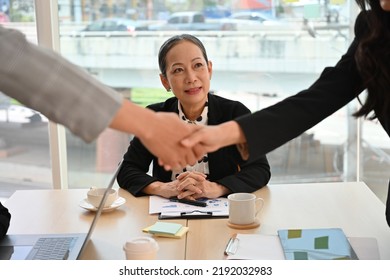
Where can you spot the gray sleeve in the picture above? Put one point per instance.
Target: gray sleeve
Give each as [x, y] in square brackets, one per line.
[44, 81]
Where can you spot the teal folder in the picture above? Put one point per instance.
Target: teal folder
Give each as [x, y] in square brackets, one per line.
[316, 244]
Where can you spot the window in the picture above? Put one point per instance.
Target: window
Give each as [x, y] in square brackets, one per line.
[258, 64]
[198, 18]
[24, 135]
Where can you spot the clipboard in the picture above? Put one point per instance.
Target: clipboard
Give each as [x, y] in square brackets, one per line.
[168, 209]
[194, 214]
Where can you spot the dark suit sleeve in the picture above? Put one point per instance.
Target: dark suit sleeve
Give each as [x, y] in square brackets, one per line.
[251, 176]
[5, 218]
[272, 127]
[241, 176]
[133, 175]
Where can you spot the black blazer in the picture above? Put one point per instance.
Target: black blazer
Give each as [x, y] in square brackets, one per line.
[5, 218]
[289, 118]
[226, 165]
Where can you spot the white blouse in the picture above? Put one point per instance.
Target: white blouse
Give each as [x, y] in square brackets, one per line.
[202, 165]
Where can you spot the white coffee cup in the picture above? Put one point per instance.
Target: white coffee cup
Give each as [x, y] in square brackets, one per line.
[141, 248]
[95, 196]
[244, 208]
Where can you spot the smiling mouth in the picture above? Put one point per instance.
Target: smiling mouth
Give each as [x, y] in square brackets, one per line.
[193, 90]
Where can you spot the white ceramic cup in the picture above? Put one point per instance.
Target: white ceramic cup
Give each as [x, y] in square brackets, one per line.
[141, 248]
[95, 195]
[244, 208]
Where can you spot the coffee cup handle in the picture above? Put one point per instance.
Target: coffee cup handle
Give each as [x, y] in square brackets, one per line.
[259, 205]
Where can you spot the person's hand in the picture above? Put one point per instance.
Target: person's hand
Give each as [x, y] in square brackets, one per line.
[211, 138]
[193, 185]
[160, 132]
[188, 184]
[166, 190]
[208, 139]
[163, 140]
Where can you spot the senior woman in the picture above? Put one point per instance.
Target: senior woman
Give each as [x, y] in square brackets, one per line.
[186, 71]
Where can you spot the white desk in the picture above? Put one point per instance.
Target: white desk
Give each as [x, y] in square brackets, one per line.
[350, 206]
[58, 211]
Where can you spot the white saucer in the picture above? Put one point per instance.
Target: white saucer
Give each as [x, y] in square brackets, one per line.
[86, 205]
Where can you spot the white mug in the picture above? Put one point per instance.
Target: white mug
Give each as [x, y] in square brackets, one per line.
[243, 208]
[95, 196]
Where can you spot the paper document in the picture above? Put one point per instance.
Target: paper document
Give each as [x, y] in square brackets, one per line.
[255, 247]
[217, 206]
[365, 247]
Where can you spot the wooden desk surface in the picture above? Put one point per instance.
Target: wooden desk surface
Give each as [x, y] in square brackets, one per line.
[58, 211]
[350, 206]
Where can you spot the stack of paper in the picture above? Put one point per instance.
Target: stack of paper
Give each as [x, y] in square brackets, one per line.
[163, 229]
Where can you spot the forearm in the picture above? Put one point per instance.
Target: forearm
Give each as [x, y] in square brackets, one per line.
[43, 80]
[219, 190]
[134, 119]
[269, 128]
[154, 188]
[134, 178]
[232, 134]
[166, 190]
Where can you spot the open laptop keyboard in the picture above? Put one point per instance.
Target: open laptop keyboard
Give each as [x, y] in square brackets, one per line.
[51, 248]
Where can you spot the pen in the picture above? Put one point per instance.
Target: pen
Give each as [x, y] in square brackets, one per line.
[227, 251]
[232, 245]
[190, 202]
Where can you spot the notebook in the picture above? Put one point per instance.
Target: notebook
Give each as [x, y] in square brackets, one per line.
[316, 244]
[246, 246]
[69, 246]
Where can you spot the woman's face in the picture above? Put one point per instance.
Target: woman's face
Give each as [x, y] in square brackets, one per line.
[188, 74]
[385, 4]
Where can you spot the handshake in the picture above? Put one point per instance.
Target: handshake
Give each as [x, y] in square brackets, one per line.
[177, 144]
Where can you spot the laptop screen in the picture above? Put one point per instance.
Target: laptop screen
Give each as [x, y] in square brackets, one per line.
[100, 208]
[18, 252]
[19, 246]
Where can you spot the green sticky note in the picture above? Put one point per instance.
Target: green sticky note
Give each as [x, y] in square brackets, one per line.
[300, 255]
[321, 242]
[294, 233]
[166, 228]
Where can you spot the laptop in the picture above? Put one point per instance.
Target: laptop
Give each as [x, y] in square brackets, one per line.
[69, 246]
